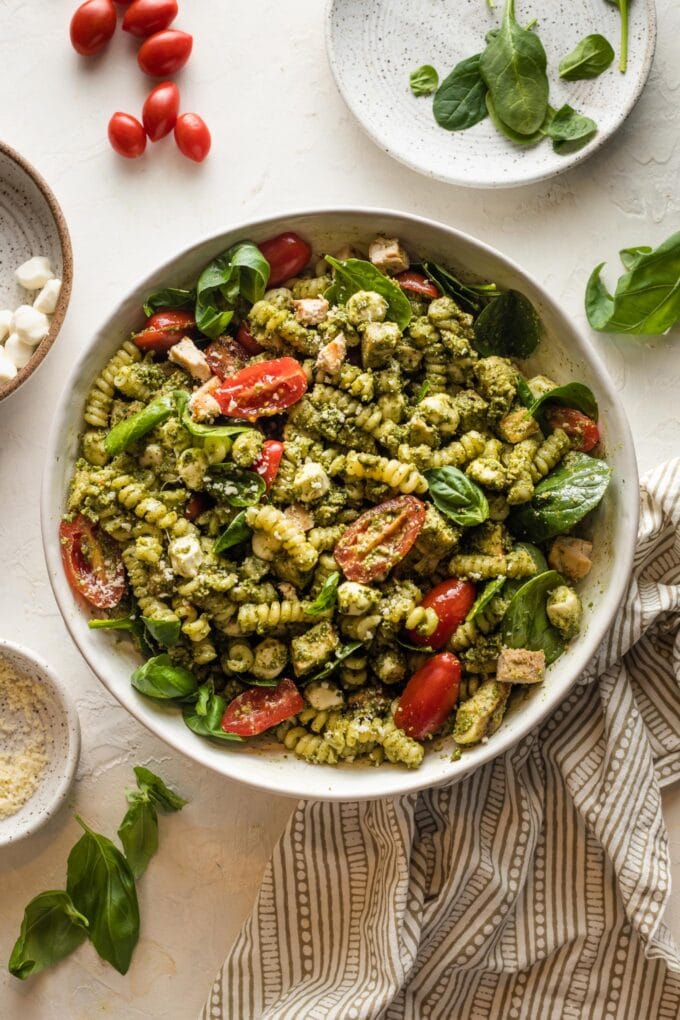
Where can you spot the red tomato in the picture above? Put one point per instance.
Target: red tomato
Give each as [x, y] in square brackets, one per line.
[92, 564]
[225, 356]
[163, 330]
[262, 390]
[452, 601]
[267, 464]
[127, 136]
[582, 430]
[380, 538]
[144, 17]
[92, 26]
[260, 708]
[165, 53]
[429, 697]
[160, 110]
[192, 137]
[416, 283]
[247, 341]
[287, 255]
[196, 504]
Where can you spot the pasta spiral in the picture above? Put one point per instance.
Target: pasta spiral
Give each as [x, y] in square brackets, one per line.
[100, 397]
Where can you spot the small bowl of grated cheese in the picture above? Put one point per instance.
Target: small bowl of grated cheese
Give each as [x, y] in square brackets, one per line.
[39, 742]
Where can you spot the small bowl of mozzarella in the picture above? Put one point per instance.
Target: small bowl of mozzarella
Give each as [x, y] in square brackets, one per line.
[36, 270]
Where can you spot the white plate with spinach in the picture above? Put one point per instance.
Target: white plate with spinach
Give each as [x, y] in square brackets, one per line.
[486, 95]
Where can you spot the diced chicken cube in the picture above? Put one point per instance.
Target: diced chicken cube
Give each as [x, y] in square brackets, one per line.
[310, 311]
[202, 404]
[187, 355]
[571, 557]
[517, 426]
[520, 666]
[331, 356]
[388, 255]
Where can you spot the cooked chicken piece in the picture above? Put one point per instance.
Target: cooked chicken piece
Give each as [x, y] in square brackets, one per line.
[520, 666]
[187, 355]
[388, 255]
[331, 356]
[310, 311]
[202, 404]
[571, 557]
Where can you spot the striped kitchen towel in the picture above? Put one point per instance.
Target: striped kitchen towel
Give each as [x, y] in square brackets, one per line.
[533, 889]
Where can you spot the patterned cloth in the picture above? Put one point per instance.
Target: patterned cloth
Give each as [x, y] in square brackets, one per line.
[534, 889]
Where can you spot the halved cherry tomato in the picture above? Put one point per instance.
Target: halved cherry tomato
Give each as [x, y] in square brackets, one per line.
[416, 283]
[144, 17]
[262, 390]
[267, 464]
[92, 563]
[429, 697]
[159, 113]
[380, 538]
[248, 341]
[582, 430]
[192, 137]
[165, 53]
[163, 330]
[260, 708]
[225, 356]
[287, 255]
[452, 601]
[126, 135]
[196, 504]
[92, 25]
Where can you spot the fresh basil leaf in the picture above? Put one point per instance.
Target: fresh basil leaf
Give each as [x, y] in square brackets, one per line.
[194, 428]
[237, 531]
[470, 296]
[326, 597]
[128, 431]
[228, 483]
[524, 393]
[138, 833]
[513, 585]
[631, 256]
[570, 130]
[164, 632]
[242, 270]
[51, 929]
[422, 391]
[575, 394]
[622, 6]
[488, 592]
[423, 80]
[340, 654]
[513, 65]
[459, 101]
[589, 59]
[514, 136]
[352, 275]
[414, 648]
[457, 496]
[526, 623]
[161, 678]
[169, 297]
[562, 499]
[102, 887]
[161, 795]
[205, 716]
[509, 326]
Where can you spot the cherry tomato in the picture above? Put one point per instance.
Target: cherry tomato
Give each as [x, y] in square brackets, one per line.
[262, 390]
[247, 340]
[287, 255]
[192, 137]
[260, 708]
[582, 430]
[380, 538]
[93, 566]
[92, 26]
[452, 601]
[144, 17]
[160, 110]
[225, 356]
[267, 464]
[127, 136]
[429, 697]
[416, 283]
[196, 504]
[163, 330]
[165, 53]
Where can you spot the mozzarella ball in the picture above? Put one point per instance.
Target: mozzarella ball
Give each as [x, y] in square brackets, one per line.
[7, 367]
[5, 323]
[30, 325]
[17, 351]
[46, 300]
[34, 274]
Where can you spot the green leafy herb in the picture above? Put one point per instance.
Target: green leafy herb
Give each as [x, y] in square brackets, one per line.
[414, 648]
[526, 623]
[326, 597]
[457, 496]
[488, 592]
[513, 65]
[524, 393]
[470, 296]
[575, 394]
[228, 483]
[340, 654]
[164, 632]
[509, 326]
[422, 391]
[423, 80]
[563, 498]
[570, 130]
[194, 428]
[514, 136]
[169, 297]
[590, 58]
[242, 270]
[156, 790]
[513, 585]
[118, 623]
[50, 930]
[459, 100]
[623, 11]
[138, 832]
[128, 431]
[647, 296]
[237, 531]
[205, 716]
[352, 275]
[160, 678]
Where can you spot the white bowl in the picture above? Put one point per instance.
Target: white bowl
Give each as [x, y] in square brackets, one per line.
[564, 354]
[62, 738]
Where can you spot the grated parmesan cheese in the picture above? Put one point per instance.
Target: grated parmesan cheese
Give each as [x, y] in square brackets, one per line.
[23, 751]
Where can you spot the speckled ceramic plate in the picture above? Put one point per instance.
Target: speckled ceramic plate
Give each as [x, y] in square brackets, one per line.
[373, 45]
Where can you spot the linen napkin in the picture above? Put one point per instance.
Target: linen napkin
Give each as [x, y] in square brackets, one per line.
[533, 889]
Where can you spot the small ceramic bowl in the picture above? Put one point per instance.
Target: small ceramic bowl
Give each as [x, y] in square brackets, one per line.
[62, 744]
[31, 223]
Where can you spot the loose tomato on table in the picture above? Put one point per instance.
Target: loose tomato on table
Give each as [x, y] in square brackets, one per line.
[263, 389]
[267, 464]
[430, 696]
[92, 26]
[92, 564]
[260, 708]
[248, 341]
[159, 113]
[163, 330]
[193, 137]
[380, 538]
[451, 600]
[144, 17]
[127, 136]
[287, 255]
[417, 283]
[165, 53]
[582, 430]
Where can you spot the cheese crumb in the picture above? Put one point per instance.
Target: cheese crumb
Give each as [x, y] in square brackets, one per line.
[23, 750]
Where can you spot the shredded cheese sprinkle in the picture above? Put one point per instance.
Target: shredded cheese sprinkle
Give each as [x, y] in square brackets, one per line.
[23, 751]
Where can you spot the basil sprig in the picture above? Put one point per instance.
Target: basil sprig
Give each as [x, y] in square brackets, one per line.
[204, 717]
[526, 623]
[574, 394]
[160, 678]
[128, 431]
[457, 496]
[472, 297]
[51, 929]
[163, 632]
[590, 58]
[169, 297]
[508, 326]
[326, 597]
[562, 499]
[237, 531]
[138, 832]
[353, 275]
[242, 270]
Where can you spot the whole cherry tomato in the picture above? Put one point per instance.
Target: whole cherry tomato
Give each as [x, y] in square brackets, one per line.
[247, 340]
[380, 538]
[262, 390]
[267, 464]
[451, 600]
[159, 113]
[127, 136]
[260, 708]
[163, 330]
[287, 255]
[144, 17]
[416, 283]
[429, 697]
[582, 430]
[93, 566]
[165, 53]
[92, 25]
[192, 137]
[225, 356]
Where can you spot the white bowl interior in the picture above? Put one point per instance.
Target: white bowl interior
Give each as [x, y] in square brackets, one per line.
[564, 354]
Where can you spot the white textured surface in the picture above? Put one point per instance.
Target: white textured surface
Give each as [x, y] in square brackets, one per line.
[282, 138]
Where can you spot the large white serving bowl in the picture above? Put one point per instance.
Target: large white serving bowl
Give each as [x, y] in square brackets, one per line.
[563, 354]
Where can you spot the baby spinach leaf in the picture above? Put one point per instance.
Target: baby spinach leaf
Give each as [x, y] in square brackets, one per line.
[194, 428]
[102, 887]
[514, 136]
[161, 678]
[205, 716]
[50, 930]
[228, 483]
[242, 270]
[128, 431]
[623, 54]
[138, 833]
[423, 80]
[574, 394]
[164, 632]
[509, 326]
[524, 393]
[513, 65]
[488, 592]
[562, 499]
[631, 256]
[237, 531]
[152, 786]
[526, 623]
[169, 297]
[457, 496]
[341, 653]
[570, 130]
[590, 58]
[352, 275]
[470, 296]
[326, 597]
[459, 100]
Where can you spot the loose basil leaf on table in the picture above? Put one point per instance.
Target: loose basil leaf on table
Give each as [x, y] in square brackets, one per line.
[488, 592]
[526, 623]
[631, 256]
[457, 496]
[562, 499]
[575, 394]
[509, 326]
[470, 296]
[459, 100]
[161, 678]
[515, 136]
[128, 431]
[228, 483]
[424, 80]
[242, 270]
[161, 795]
[340, 654]
[352, 275]
[236, 532]
[51, 929]
[326, 597]
[195, 428]
[205, 716]
[589, 59]
[138, 833]
[569, 130]
[169, 297]
[513, 65]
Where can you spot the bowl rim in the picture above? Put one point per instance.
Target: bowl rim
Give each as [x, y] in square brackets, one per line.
[59, 313]
[409, 781]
